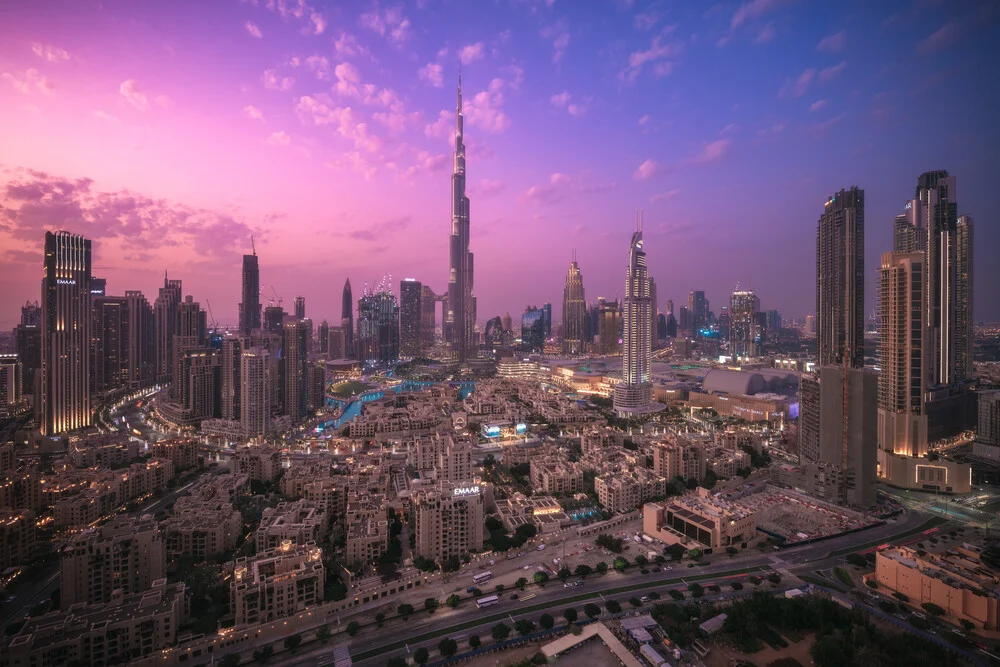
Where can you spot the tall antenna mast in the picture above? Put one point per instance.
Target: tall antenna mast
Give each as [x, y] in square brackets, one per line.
[252, 246]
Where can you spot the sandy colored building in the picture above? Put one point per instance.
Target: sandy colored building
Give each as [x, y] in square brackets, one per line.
[449, 520]
[700, 520]
[624, 490]
[276, 583]
[17, 538]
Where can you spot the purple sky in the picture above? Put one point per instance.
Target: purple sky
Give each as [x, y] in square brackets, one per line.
[169, 132]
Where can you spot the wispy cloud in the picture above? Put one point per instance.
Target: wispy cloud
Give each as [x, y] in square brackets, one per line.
[658, 55]
[558, 33]
[831, 73]
[129, 90]
[565, 101]
[940, 39]
[28, 82]
[817, 105]
[797, 87]
[490, 188]
[106, 117]
[279, 138]
[52, 54]
[711, 152]
[388, 22]
[432, 73]
[272, 81]
[471, 53]
[253, 30]
[647, 19]
[766, 34]
[253, 113]
[664, 196]
[560, 186]
[833, 43]
[647, 170]
[379, 230]
[827, 124]
[485, 109]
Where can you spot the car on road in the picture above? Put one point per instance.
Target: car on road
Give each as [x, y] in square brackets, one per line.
[492, 562]
[514, 596]
[644, 571]
[540, 547]
[644, 598]
[656, 569]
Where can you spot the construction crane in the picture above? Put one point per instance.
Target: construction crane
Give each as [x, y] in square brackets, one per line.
[215, 325]
[276, 297]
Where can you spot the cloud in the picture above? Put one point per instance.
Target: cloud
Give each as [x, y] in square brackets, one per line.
[471, 53]
[833, 43]
[564, 100]
[647, 170]
[515, 76]
[52, 54]
[253, 30]
[318, 23]
[272, 81]
[645, 119]
[827, 124]
[833, 72]
[320, 111]
[432, 73]
[711, 152]
[348, 46]
[646, 20]
[313, 21]
[657, 51]
[389, 23]
[940, 39]
[34, 202]
[664, 196]
[817, 105]
[559, 34]
[489, 188]
[799, 86]
[443, 127]
[754, 10]
[776, 128]
[106, 117]
[29, 82]
[561, 186]
[380, 230]
[253, 113]
[766, 34]
[427, 163]
[130, 92]
[485, 109]
[279, 138]
[320, 65]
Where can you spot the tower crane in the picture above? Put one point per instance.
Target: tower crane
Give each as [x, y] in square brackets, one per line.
[215, 325]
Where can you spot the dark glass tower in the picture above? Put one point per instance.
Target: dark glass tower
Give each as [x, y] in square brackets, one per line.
[410, 312]
[460, 316]
[347, 320]
[378, 329]
[250, 306]
[66, 315]
[840, 280]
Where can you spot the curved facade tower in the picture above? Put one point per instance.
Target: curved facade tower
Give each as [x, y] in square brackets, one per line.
[347, 320]
[634, 394]
[460, 315]
[574, 311]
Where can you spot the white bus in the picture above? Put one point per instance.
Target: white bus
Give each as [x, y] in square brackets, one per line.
[482, 576]
[487, 601]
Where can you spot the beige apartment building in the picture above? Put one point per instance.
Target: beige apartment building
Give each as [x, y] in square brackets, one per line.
[554, 474]
[261, 463]
[17, 538]
[126, 554]
[681, 458]
[300, 521]
[700, 520]
[626, 489]
[449, 520]
[276, 583]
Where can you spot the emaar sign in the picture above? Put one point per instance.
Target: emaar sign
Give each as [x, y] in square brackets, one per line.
[466, 491]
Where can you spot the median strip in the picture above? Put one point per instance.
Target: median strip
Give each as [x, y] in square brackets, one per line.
[930, 523]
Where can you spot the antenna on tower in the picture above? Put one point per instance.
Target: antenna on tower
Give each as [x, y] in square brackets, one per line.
[252, 246]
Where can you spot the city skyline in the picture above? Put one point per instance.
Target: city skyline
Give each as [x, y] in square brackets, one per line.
[132, 125]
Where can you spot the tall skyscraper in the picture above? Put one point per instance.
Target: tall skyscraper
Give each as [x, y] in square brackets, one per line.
[28, 344]
[460, 317]
[165, 311]
[743, 330]
[697, 310]
[300, 308]
[323, 337]
[964, 325]
[609, 325]
[653, 312]
[378, 328]
[295, 357]
[141, 340]
[533, 329]
[902, 421]
[547, 309]
[274, 319]
[574, 311]
[347, 320]
[230, 375]
[109, 341]
[840, 280]
[66, 314]
[335, 343]
[427, 316]
[634, 394]
[255, 392]
[684, 321]
[410, 317]
[250, 306]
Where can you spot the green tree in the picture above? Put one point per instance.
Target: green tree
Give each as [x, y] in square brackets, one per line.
[541, 577]
[591, 610]
[324, 634]
[696, 590]
[453, 600]
[499, 589]
[380, 619]
[736, 586]
[521, 583]
[621, 563]
[602, 567]
[612, 606]
[230, 660]
[582, 570]
[404, 610]
[431, 604]
[500, 632]
[396, 661]
[641, 560]
[421, 656]
[474, 642]
[564, 573]
[570, 615]
[675, 551]
[546, 621]
[524, 627]
[353, 627]
[448, 647]
[263, 654]
[635, 601]
[292, 643]
[676, 594]
[932, 608]
[732, 551]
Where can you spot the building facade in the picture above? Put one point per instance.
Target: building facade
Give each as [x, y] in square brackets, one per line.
[449, 520]
[574, 311]
[410, 318]
[840, 279]
[460, 314]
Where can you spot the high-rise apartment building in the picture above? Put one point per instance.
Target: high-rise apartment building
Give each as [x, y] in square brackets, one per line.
[276, 583]
[66, 318]
[697, 311]
[449, 520]
[274, 319]
[609, 326]
[323, 338]
[109, 340]
[231, 375]
[378, 329]
[634, 394]
[460, 315]
[547, 310]
[28, 344]
[410, 318]
[255, 392]
[300, 308]
[141, 340]
[840, 280]
[295, 357]
[335, 346]
[574, 311]
[126, 554]
[166, 309]
[347, 320]
[743, 327]
[428, 316]
[533, 329]
[250, 306]
[11, 385]
[964, 325]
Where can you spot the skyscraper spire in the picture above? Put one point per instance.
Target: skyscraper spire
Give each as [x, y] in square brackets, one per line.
[460, 314]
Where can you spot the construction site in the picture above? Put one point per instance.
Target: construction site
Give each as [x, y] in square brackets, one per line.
[793, 518]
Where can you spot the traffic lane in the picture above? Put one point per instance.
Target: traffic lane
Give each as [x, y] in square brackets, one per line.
[22, 604]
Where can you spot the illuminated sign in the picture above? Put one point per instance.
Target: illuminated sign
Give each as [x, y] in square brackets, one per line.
[493, 431]
[520, 428]
[63, 281]
[466, 491]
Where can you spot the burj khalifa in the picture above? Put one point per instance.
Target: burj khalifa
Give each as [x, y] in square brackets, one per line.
[460, 318]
